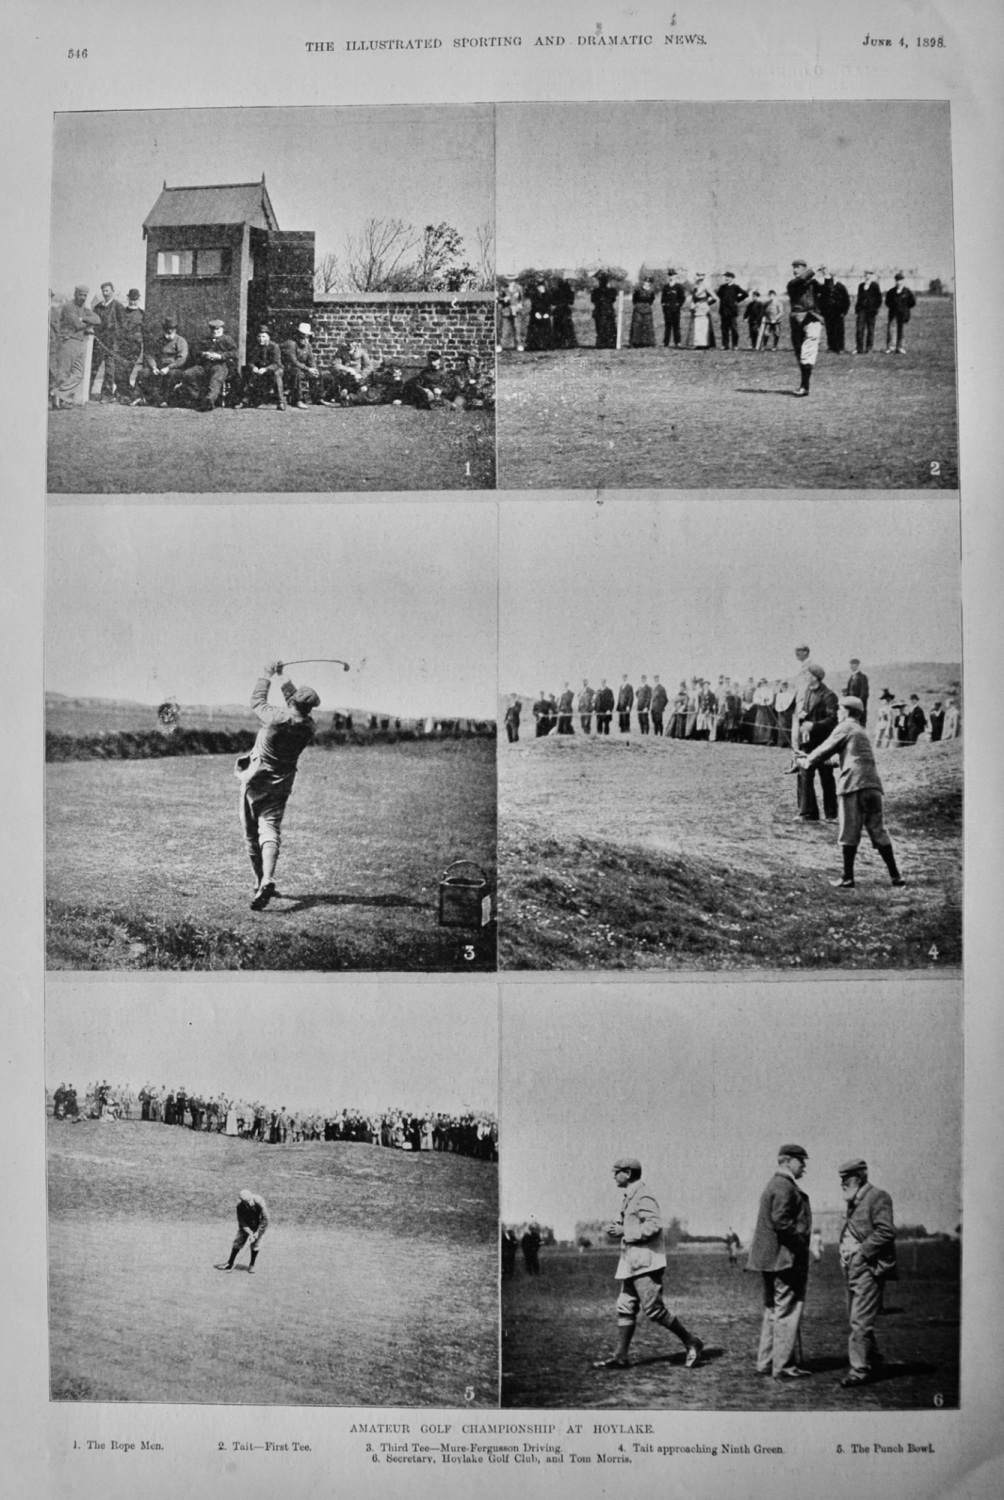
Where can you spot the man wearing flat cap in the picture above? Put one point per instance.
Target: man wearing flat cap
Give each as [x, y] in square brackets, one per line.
[780, 1252]
[816, 718]
[866, 307]
[215, 363]
[859, 790]
[165, 361]
[868, 1258]
[805, 318]
[263, 372]
[267, 773]
[641, 1268]
[899, 303]
[730, 295]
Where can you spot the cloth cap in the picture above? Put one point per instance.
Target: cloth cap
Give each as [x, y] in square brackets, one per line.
[855, 1168]
[790, 1150]
[303, 328]
[815, 669]
[851, 702]
[169, 324]
[627, 1164]
[264, 328]
[216, 322]
[802, 648]
[671, 271]
[434, 354]
[799, 263]
[899, 276]
[732, 274]
[246, 1195]
[81, 290]
[305, 699]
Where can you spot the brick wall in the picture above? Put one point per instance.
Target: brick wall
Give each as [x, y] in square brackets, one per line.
[400, 327]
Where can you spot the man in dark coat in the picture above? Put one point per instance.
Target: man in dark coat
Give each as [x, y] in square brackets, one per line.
[263, 371]
[625, 702]
[730, 295]
[857, 686]
[106, 338]
[165, 362]
[753, 318]
[780, 1252]
[542, 715]
[540, 324]
[429, 388]
[804, 319]
[642, 702]
[899, 302]
[513, 710]
[672, 298]
[866, 306]
[215, 364]
[936, 720]
[604, 707]
[660, 698]
[917, 720]
[129, 351]
[302, 374]
[817, 719]
[587, 702]
[530, 1245]
[566, 704]
[835, 301]
[868, 1259]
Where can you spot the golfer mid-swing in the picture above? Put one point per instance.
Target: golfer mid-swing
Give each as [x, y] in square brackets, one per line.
[267, 773]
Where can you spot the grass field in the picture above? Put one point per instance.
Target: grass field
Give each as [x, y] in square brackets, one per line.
[644, 853]
[693, 419]
[376, 1283]
[146, 866]
[144, 450]
[555, 1325]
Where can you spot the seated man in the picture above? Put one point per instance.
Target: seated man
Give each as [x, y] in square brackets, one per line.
[351, 371]
[263, 372]
[387, 386]
[215, 364]
[472, 387]
[428, 388]
[302, 374]
[163, 364]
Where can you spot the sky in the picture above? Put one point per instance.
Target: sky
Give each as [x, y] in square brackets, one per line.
[192, 600]
[703, 1084]
[325, 169]
[723, 186]
[596, 588]
[308, 1045]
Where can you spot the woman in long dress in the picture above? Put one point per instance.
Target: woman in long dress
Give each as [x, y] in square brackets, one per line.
[763, 719]
[701, 304]
[76, 321]
[231, 1125]
[604, 300]
[540, 324]
[564, 325]
[642, 325]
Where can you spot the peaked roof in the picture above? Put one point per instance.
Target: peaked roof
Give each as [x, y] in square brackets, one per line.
[225, 203]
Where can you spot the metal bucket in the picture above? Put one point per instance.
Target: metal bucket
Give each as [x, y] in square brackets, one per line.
[464, 898]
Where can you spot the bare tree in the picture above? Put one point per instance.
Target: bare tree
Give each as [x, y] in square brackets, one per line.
[329, 274]
[375, 254]
[484, 238]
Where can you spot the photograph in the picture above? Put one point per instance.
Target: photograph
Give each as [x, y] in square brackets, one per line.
[732, 733]
[205, 666]
[339, 1146]
[672, 274]
[732, 1197]
[272, 299]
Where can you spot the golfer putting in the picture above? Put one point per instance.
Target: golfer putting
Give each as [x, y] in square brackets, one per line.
[267, 773]
[252, 1222]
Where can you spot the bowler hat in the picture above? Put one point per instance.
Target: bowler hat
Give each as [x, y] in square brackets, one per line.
[790, 1150]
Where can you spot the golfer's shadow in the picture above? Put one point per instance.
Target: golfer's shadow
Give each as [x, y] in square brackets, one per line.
[708, 1353]
[293, 904]
[760, 390]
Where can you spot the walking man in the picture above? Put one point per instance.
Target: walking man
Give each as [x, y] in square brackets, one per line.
[641, 1268]
[780, 1252]
[252, 1222]
[868, 1258]
[267, 773]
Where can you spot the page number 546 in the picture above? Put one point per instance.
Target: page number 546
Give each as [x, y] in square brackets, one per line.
[75, 53]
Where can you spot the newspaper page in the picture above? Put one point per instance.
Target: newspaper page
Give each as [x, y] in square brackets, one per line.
[501, 949]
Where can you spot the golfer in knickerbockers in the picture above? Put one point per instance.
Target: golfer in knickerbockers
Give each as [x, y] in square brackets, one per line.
[641, 1268]
[268, 772]
[252, 1222]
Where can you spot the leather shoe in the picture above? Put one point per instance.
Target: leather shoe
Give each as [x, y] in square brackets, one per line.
[793, 1372]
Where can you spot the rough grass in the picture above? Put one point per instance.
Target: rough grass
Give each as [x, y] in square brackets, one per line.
[112, 449]
[376, 1283]
[689, 419]
[647, 854]
[146, 867]
[555, 1325]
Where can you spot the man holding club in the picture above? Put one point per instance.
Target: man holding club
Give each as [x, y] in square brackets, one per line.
[252, 1222]
[267, 773]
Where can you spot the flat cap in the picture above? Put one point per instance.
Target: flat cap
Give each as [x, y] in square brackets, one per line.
[216, 322]
[849, 701]
[790, 1150]
[799, 263]
[855, 1168]
[305, 699]
[627, 1164]
[815, 669]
